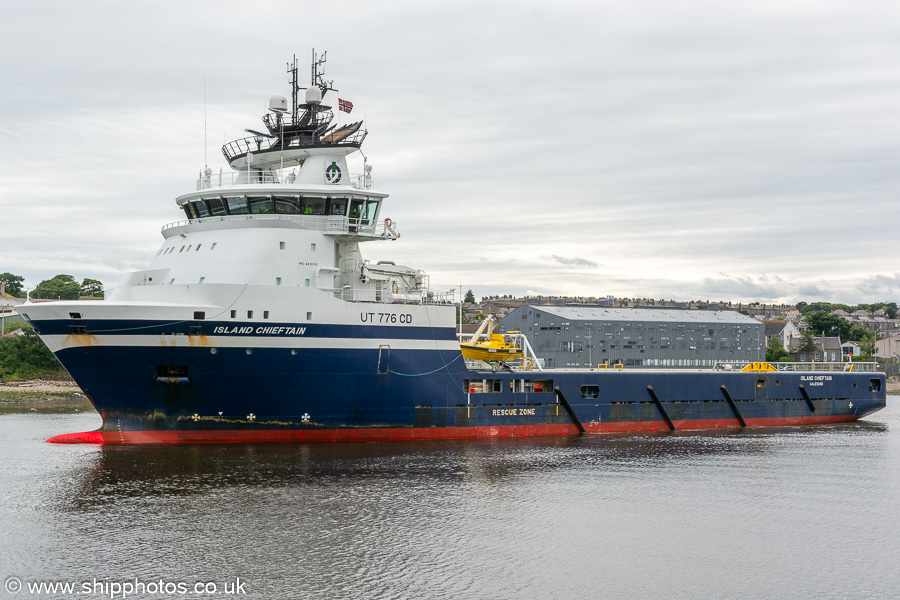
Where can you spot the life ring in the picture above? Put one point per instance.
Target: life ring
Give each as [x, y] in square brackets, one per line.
[388, 222]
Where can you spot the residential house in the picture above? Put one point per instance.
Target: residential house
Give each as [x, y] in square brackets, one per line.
[826, 349]
[850, 349]
[786, 331]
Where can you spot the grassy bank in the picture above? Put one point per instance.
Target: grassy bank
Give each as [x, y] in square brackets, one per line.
[25, 356]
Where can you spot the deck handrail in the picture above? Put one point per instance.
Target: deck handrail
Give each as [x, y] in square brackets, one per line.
[326, 223]
[359, 181]
[829, 367]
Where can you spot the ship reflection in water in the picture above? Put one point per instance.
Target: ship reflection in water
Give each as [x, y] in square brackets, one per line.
[759, 513]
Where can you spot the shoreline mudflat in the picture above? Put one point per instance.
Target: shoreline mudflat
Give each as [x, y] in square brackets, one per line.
[31, 389]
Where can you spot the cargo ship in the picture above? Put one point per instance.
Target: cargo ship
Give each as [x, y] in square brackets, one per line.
[259, 320]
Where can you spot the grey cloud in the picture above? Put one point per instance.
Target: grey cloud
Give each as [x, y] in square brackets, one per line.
[881, 286]
[740, 287]
[574, 262]
[812, 291]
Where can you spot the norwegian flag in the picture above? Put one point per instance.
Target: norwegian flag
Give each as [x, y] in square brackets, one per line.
[345, 105]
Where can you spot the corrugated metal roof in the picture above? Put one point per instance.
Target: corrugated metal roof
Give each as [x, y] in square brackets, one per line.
[584, 313]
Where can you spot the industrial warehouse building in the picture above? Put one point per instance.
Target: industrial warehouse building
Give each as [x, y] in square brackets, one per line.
[585, 336]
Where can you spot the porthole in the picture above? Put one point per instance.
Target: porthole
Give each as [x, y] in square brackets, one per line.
[212, 350]
[293, 352]
[249, 351]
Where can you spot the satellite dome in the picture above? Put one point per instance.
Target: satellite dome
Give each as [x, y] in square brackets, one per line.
[313, 95]
[278, 103]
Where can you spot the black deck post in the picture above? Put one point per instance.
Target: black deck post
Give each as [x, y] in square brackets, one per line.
[809, 403]
[659, 405]
[569, 409]
[734, 407]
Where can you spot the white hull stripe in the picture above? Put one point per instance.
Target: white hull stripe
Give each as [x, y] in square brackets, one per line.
[60, 342]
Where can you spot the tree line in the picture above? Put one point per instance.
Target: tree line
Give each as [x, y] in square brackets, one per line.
[61, 287]
[820, 321]
[889, 308]
[24, 356]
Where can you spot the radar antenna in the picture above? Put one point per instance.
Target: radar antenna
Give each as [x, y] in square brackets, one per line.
[295, 88]
[318, 75]
[317, 79]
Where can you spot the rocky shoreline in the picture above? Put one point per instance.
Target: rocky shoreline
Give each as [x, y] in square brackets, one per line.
[31, 389]
[893, 384]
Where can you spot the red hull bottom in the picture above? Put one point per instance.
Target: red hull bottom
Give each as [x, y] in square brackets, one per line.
[417, 433]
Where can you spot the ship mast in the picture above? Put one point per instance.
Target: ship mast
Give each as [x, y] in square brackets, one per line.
[295, 89]
[310, 125]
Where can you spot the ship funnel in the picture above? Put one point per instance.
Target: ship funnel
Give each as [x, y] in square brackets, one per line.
[278, 103]
[313, 95]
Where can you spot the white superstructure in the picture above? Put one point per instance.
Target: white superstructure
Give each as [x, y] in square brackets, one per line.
[276, 240]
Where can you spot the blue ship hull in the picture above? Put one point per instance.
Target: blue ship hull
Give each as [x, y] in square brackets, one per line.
[198, 392]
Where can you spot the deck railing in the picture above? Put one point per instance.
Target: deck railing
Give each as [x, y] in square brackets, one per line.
[856, 367]
[327, 224]
[287, 176]
[423, 296]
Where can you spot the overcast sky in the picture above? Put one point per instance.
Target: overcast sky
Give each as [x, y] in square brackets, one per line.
[687, 150]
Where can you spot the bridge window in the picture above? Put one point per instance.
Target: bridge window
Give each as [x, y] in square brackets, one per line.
[337, 206]
[237, 205]
[286, 205]
[311, 205]
[217, 207]
[200, 208]
[364, 210]
[262, 205]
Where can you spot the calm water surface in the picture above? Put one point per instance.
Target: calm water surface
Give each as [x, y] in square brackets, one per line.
[784, 513]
